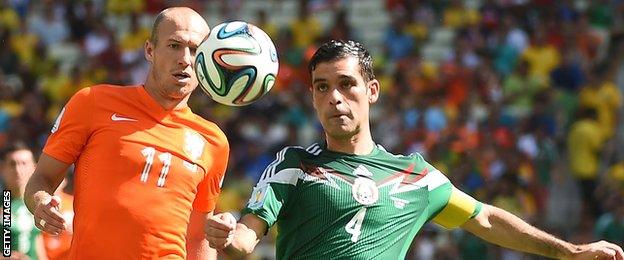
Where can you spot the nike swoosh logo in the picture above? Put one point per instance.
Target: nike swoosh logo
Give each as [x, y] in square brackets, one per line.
[115, 117]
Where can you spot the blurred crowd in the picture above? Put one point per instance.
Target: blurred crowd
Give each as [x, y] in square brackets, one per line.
[519, 102]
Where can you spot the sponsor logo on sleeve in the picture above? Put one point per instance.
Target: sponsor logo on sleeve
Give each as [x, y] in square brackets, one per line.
[57, 122]
[258, 197]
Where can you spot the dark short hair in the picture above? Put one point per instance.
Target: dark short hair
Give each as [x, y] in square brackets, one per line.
[13, 146]
[338, 49]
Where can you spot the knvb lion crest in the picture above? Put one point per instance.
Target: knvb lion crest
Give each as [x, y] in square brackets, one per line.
[194, 144]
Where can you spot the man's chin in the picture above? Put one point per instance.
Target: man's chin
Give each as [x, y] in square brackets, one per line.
[181, 92]
[340, 132]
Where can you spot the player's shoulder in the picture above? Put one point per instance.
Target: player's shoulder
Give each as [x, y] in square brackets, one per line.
[292, 156]
[302, 153]
[209, 130]
[414, 157]
[103, 92]
[109, 90]
[286, 166]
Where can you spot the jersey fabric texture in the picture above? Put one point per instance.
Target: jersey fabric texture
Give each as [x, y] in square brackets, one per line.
[342, 206]
[140, 170]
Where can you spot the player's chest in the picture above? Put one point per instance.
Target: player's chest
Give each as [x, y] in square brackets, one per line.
[150, 153]
[340, 188]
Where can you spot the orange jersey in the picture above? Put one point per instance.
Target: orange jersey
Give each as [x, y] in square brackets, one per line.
[140, 170]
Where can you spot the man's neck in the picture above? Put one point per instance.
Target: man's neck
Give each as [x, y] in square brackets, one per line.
[166, 103]
[357, 144]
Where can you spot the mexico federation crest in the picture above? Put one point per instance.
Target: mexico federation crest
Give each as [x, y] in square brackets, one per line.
[193, 144]
[365, 191]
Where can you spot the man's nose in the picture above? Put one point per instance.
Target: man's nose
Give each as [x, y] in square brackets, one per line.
[187, 57]
[335, 97]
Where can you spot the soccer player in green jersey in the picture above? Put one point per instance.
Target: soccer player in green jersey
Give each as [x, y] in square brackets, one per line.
[350, 199]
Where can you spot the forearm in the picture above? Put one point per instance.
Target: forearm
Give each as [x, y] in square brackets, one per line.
[44, 181]
[199, 249]
[505, 229]
[38, 188]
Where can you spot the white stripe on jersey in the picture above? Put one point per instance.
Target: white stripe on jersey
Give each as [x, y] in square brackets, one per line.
[433, 180]
[271, 168]
[314, 149]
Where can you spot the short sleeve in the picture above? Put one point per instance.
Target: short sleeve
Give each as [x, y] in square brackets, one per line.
[447, 205]
[273, 191]
[458, 208]
[72, 128]
[209, 188]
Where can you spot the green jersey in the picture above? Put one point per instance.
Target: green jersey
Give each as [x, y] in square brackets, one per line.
[23, 230]
[336, 205]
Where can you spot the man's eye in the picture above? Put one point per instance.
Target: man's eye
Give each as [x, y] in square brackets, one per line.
[321, 87]
[174, 46]
[347, 84]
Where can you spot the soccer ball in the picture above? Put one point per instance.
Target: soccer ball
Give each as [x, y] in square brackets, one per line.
[237, 64]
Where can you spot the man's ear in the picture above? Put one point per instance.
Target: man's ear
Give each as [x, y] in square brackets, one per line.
[373, 91]
[149, 51]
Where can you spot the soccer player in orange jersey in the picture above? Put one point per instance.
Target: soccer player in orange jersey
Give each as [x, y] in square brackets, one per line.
[148, 170]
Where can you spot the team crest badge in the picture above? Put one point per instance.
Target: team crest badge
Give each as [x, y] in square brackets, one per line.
[365, 191]
[193, 144]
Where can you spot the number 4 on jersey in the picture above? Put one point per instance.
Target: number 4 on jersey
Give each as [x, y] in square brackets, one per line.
[354, 226]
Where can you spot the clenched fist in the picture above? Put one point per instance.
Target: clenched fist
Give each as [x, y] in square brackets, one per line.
[220, 230]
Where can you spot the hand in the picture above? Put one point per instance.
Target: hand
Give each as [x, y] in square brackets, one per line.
[47, 215]
[598, 251]
[220, 230]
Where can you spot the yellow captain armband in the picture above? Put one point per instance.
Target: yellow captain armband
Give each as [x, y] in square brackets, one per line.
[459, 209]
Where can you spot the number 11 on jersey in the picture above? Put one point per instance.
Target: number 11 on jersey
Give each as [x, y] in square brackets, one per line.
[354, 226]
[165, 158]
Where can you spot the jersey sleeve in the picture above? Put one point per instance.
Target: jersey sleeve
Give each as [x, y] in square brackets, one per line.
[275, 187]
[448, 206]
[209, 188]
[459, 208]
[72, 128]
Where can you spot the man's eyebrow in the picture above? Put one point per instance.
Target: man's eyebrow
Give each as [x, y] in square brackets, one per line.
[319, 80]
[348, 77]
[180, 41]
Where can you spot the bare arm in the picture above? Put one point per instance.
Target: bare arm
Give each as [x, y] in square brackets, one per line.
[38, 193]
[236, 239]
[248, 232]
[503, 228]
[196, 244]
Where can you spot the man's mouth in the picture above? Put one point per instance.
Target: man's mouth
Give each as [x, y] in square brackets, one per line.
[182, 76]
[340, 115]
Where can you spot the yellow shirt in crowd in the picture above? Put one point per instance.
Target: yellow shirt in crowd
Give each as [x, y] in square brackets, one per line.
[584, 143]
[605, 99]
